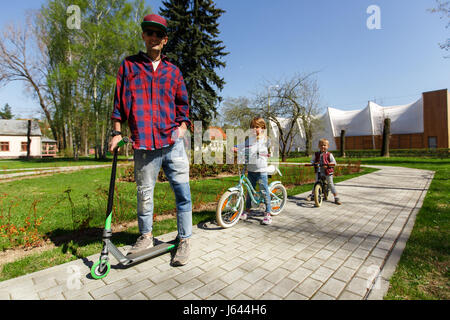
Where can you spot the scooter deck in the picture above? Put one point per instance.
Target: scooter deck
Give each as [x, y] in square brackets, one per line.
[144, 254]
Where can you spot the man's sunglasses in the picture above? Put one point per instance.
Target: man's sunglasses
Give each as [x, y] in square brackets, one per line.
[159, 34]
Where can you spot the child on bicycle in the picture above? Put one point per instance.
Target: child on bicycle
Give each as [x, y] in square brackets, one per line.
[325, 158]
[257, 149]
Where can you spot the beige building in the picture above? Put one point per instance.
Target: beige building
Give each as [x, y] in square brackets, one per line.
[13, 140]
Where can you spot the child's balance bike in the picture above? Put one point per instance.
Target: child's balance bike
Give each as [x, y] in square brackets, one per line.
[101, 268]
[321, 189]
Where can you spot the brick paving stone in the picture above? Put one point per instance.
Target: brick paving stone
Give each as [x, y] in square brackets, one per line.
[347, 295]
[109, 289]
[353, 263]
[83, 296]
[322, 296]
[333, 263]
[333, 287]
[258, 289]
[210, 288]
[308, 287]
[130, 290]
[255, 275]
[227, 276]
[232, 290]
[344, 273]
[164, 296]
[111, 296]
[313, 263]
[358, 286]
[323, 254]
[217, 296]
[162, 287]
[322, 274]
[300, 274]
[186, 288]
[276, 275]
[270, 296]
[296, 296]
[284, 287]
[137, 296]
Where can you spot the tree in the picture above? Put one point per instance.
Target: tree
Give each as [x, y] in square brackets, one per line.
[5, 112]
[193, 46]
[237, 112]
[83, 63]
[19, 62]
[444, 9]
[294, 101]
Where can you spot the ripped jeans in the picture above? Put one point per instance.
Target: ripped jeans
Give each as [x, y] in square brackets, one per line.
[174, 161]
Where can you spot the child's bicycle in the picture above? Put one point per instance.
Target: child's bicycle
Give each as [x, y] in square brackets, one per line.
[321, 189]
[231, 204]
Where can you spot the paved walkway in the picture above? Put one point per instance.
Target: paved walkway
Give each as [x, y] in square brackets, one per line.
[331, 252]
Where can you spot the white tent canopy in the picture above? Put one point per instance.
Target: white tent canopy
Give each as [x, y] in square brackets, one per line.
[364, 122]
[369, 121]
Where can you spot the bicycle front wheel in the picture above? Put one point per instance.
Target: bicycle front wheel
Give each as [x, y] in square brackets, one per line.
[229, 209]
[278, 198]
[318, 194]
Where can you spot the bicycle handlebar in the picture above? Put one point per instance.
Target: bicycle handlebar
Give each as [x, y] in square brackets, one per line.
[319, 165]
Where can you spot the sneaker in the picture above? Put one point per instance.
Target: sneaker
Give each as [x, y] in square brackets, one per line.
[336, 201]
[310, 197]
[181, 256]
[143, 242]
[244, 216]
[267, 219]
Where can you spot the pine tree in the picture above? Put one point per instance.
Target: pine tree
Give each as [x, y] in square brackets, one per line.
[5, 112]
[193, 46]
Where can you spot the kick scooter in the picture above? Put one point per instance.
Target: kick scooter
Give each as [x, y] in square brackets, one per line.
[101, 268]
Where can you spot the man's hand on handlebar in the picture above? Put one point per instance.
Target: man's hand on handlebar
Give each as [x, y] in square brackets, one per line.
[114, 141]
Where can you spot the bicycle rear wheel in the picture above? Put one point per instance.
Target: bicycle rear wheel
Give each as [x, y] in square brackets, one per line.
[229, 209]
[278, 202]
[318, 194]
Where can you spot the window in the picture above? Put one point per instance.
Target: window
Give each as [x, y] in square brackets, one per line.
[4, 145]
[432, 142]
[23, 146]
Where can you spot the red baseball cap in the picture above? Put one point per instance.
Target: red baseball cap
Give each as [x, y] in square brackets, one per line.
[154, 20]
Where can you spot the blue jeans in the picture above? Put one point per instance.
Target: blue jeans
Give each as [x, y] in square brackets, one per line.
[263, 186]
[174, 161]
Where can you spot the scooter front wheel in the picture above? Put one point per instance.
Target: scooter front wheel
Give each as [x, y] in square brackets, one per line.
[100, 269]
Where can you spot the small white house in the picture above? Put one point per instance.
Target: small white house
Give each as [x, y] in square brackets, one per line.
[13, 139]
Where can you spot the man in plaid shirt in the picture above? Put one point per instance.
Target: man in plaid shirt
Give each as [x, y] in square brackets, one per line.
[151, 95]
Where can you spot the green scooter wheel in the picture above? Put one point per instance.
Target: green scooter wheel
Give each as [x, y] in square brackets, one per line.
[100, 269]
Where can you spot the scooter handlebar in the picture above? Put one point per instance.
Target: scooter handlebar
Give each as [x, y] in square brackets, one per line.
[121, 143]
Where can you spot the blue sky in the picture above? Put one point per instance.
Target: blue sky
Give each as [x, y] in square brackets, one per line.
[274, 40]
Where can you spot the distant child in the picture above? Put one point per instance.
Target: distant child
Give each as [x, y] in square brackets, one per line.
[325, 158]
[257, 150]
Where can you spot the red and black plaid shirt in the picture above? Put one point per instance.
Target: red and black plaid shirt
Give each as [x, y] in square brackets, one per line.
[155, 102]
